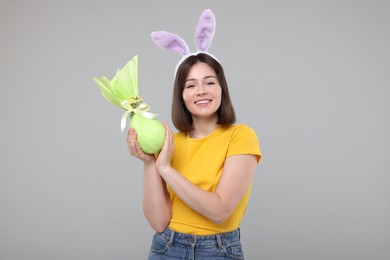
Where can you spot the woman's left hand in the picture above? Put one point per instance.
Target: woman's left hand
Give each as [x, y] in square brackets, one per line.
[163, 162]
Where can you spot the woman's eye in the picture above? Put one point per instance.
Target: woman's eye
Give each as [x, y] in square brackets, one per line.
[210, 83]
[190, 86]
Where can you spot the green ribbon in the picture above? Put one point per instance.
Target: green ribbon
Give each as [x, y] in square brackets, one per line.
[141, 109]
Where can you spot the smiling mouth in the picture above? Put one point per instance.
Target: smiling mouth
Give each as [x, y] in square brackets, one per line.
[200, 102]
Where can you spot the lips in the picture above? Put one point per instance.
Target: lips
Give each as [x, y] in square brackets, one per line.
[202, 101]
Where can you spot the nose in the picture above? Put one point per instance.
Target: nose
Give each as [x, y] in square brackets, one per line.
[201, 90]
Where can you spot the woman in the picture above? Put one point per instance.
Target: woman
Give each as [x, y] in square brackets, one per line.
[196, 190]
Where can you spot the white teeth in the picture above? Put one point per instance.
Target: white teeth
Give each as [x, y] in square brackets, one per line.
[202, 102]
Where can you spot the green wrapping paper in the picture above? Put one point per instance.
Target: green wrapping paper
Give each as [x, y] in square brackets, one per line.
[122, 91]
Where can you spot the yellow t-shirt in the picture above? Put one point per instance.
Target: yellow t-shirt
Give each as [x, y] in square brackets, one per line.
[201, 162]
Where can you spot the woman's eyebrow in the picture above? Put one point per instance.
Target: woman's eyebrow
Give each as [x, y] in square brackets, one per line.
[207, 77]
[190, 80]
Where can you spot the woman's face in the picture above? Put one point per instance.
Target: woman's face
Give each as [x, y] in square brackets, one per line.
[202, 92]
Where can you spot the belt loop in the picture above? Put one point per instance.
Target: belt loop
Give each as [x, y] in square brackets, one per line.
[219, 241]
[171, 237]
[239, 233]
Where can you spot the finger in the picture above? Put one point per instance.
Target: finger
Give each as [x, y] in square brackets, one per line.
[167, 137]
[132, 142]
[130, 135]
[169, 134]
[138, 149]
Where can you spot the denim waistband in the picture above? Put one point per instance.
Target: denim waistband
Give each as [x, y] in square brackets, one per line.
[175, 237]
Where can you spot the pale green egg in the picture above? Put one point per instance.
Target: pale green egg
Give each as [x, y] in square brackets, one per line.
[150, 133]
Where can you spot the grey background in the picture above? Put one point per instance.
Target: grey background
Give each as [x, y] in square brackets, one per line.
[311, 77]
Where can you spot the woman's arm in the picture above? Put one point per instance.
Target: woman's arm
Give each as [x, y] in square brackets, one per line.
[156, 203]
[217, 206]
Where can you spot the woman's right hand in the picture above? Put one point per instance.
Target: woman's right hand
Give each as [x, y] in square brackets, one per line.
[135, 150]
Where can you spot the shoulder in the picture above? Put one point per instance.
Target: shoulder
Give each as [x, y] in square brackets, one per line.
[243, 140]
[243, 127]
[243, 130]
[179, 137]
[179, 134]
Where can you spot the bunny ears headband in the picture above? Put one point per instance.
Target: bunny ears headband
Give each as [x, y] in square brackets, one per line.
[204, 35]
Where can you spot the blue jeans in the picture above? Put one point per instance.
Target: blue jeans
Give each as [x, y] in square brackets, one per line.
[170, 245]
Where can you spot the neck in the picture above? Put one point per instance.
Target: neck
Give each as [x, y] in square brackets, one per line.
[203, 128]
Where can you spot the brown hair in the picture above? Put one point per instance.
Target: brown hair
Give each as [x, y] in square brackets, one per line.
[181, 117]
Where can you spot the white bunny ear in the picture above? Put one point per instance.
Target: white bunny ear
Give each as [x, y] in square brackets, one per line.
[205, 29]
[170, 41]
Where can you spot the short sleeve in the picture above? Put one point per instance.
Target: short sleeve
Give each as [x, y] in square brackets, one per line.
[244, 141]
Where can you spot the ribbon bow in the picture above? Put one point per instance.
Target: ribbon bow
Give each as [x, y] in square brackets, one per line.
[140, 109]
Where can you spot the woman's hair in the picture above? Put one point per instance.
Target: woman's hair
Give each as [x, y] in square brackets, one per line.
[181, 117]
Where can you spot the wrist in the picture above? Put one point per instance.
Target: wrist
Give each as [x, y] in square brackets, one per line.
[164, 170]
[150, 164]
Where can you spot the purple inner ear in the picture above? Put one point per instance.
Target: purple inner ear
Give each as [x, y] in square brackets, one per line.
[204, 32]
[170, 41]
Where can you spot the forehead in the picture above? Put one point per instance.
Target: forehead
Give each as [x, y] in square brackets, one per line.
[200, 70]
